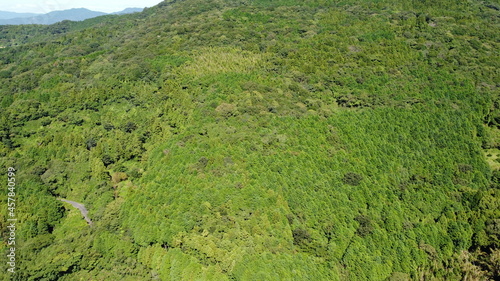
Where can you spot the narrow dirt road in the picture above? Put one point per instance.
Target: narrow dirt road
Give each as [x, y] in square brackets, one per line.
[80, 207]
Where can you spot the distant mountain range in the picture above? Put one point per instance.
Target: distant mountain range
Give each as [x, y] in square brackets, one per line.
[78, 14]
[12, 15]
[128, 11]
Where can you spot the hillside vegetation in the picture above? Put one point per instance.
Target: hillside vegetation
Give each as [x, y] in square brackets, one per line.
[257, 140]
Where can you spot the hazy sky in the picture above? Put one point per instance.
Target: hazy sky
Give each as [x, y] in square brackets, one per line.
[45, 6]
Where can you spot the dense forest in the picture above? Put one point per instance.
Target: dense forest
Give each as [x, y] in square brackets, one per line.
[256, 140]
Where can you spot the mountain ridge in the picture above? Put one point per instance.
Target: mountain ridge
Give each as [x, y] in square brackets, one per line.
[12, 15]
[74, 14]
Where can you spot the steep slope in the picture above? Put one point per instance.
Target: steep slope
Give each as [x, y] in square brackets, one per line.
[257, 140]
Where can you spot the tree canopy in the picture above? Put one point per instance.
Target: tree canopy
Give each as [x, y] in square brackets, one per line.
[257, 140]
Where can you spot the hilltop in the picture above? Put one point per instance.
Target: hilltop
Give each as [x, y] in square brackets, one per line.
[257, 140]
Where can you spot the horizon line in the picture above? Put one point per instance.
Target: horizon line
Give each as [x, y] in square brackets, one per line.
[43, 13]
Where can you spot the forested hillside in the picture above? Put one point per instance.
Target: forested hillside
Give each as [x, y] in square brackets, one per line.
[256, 140]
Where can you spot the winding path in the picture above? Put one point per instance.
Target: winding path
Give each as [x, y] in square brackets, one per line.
[80, 207]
